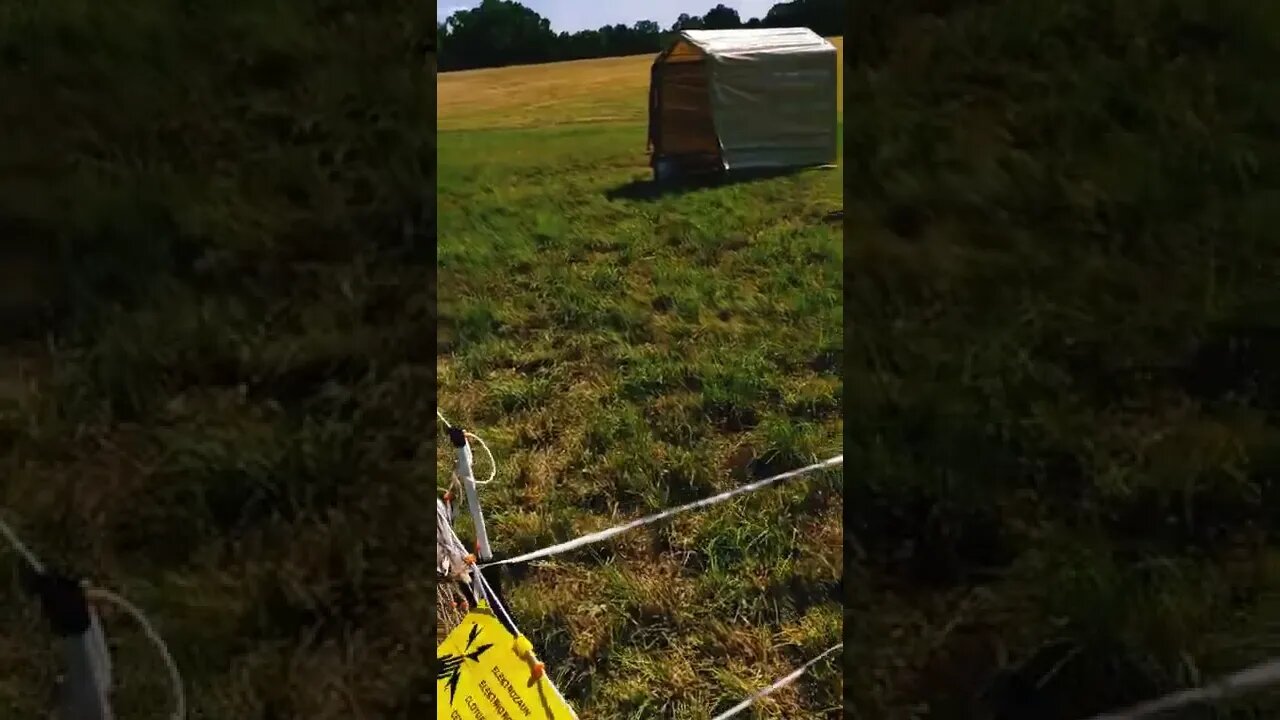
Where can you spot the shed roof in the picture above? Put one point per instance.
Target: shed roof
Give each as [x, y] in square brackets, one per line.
[756, 41]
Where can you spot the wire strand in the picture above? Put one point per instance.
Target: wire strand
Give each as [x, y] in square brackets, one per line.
[1255, 678]
[175, 676]
[19, 547]
[607, 533]
[104, 595]
[493, 464]
[778, 685]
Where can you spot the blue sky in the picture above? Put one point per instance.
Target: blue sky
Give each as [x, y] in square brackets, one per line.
[574, 15]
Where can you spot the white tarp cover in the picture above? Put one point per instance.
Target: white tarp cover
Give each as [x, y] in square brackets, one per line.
[773, 95]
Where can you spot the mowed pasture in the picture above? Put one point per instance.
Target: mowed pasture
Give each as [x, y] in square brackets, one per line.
[608, 90]
[623, 351]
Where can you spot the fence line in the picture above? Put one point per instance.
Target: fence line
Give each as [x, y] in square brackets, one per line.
[1245, 681]
[607, 533]
[602, 535]
[778, 685]
[1234, 685]
[21, 548]
[106, 596]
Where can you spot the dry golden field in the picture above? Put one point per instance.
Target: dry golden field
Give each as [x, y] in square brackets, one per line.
[603, 90]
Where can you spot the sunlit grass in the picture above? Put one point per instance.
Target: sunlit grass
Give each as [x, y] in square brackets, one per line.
[624, 354]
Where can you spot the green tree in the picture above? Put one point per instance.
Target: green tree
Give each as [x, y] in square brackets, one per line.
[687, 22]
[647, 28]
[721, 17]
[497, 32]
[504, 32]
[825, 17]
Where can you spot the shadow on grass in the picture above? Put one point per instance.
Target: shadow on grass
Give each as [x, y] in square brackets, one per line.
[649, 189]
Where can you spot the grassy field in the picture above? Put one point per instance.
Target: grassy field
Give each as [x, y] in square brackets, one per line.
[609, 90]
[215, 384]
[1063, 371]
[624, 352]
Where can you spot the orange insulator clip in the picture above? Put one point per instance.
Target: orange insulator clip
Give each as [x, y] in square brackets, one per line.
[538, 670]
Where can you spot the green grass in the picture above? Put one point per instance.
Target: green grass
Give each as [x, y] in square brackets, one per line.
[1061, 314]
[215, 385]
[623, 354]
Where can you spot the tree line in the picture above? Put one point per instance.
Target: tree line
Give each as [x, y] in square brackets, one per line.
[504, 32]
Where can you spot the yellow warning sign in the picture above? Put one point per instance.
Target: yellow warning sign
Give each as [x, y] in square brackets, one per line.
[483, 672]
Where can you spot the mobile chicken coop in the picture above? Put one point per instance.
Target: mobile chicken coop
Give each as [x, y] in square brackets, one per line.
[724, 100]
